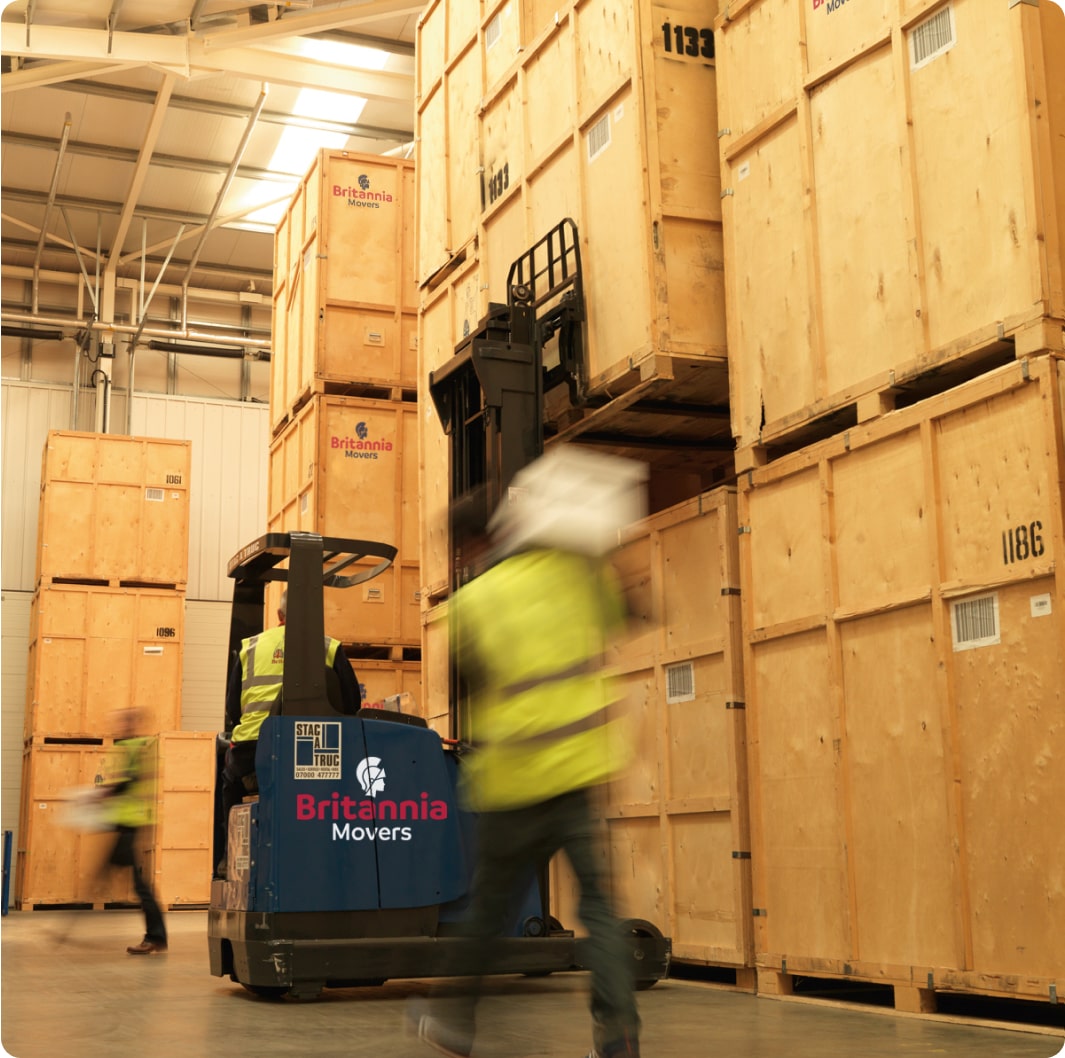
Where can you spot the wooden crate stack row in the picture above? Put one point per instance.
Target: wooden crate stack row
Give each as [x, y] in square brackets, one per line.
[882, 240]
[895, 254]
[60, 865]
[344, 454]
[106, 633]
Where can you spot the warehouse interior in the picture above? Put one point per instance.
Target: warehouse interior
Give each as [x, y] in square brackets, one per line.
[846, 672]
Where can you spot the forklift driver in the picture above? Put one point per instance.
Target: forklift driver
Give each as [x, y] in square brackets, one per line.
[253, 688]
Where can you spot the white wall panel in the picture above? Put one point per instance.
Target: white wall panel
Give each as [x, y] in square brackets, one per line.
[203, 684]
[15, 636]
[27, 413]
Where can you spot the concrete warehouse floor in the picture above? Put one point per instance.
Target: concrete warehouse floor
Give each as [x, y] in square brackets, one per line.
[85, 997]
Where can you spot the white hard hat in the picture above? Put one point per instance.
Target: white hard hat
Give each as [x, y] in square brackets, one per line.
[571, 498]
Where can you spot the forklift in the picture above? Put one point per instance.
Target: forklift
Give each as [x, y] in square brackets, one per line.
[353, 862]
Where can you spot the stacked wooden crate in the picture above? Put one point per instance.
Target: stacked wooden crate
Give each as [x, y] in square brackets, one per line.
[529, 113]
[894, 239]
[107, 630]
[343, 409]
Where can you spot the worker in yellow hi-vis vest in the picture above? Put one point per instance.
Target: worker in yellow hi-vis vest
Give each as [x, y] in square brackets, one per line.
[529, 634]
[129, 806]
[254, 686]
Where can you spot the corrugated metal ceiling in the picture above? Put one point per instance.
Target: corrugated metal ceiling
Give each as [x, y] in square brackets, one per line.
[122, 119]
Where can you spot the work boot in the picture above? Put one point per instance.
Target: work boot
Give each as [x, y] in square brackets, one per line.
[436, 1032]
[148, 947]
[617, 1049]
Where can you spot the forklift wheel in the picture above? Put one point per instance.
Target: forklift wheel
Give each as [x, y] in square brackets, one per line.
[640, 927]
[267, 991]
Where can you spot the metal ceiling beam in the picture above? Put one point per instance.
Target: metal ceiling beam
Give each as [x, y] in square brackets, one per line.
[140, 170]
[333, 16]
[189, 56]
[48, 73]
[227, 181]
[159, 160]
[49, 203]
[234, 110]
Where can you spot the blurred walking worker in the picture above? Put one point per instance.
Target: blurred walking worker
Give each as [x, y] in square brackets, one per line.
[529, 636]
[129, 804]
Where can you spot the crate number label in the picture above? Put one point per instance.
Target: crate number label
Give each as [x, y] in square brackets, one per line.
[165, 632]
[688, 40]
[1041, 605]
[498, 182]
[1022, 542]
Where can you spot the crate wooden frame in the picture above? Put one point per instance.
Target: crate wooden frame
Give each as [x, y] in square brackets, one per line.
[345, 304]
[502, 128]
[889, 844]
[94, 649]
[885, 221]
[114, 509]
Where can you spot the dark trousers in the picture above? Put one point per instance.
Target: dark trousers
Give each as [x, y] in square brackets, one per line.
[125, 854]
[508, 844]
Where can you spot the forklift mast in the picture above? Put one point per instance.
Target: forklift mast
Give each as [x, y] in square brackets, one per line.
[490, 394]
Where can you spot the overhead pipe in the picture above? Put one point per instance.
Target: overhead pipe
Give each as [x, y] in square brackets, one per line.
[49, 204]
[127, 328]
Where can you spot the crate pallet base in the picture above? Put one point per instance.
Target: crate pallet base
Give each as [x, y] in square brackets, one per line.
[344, 387]
[77, 905]
[724, 977]
[919, 993]
[898, 389]
[671, 410]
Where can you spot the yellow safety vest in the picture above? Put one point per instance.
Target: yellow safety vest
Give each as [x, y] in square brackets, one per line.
[135, 805]
[534, 629]
[262, 667]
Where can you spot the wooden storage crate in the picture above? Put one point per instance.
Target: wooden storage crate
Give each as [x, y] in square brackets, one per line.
[585, 110]
[348, 467]
[184, 833]
[54, 863]
[97, 649]
[345, 300]
[436, 671]
[890, 209]
[678, 817]
[905, 672]
[379, 678]
[114, 509]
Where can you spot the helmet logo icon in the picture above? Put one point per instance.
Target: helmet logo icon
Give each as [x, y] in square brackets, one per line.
[371, 776]
[364, 182]
[362, 431]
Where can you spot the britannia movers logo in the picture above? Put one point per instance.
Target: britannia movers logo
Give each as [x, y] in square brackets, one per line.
[369, 812]
[361, 446]
[317, 750]
[362, 195]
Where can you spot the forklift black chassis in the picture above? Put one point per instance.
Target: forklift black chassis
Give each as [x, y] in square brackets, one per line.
[299, 954]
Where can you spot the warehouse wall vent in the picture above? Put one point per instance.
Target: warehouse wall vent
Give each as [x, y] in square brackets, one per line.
[932, 37]
[974, 621]
[680, 683]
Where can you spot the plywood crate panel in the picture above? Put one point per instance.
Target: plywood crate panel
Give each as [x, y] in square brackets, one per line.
[380, 678]
[56, 864]
[184, 831]
[905, 664]
[436, 672]
[345, 301]
[585, 111]
[885, 213]
[114, 509]
[348, 467]
[677, 818]
[94, 650]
